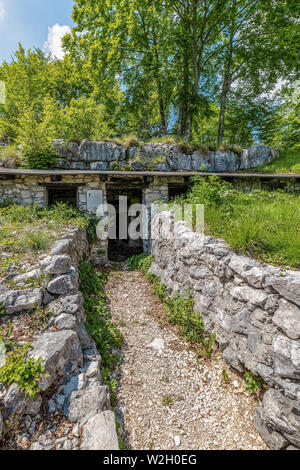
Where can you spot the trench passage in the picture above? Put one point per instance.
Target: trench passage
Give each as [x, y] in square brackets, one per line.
[121, 249]
[164, 401]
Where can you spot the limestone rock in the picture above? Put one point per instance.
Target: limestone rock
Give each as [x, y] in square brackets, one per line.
[14, 401]
[61, 247]
[282, 414]
[66, 304]
[65, 321]
[58, 264]
[287, 357]
[273, 438]
[248, 294]
[180, 162]
[35, 273]
[33, 407]
[16, 301]
[101, 151]
[287, 317]
[99, 433]
[255, 156]
[58, 350]
[288, 287]
[88, 402]
[64, 284]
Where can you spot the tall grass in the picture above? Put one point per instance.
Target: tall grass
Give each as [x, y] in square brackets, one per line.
[287, 162]
[265, 225]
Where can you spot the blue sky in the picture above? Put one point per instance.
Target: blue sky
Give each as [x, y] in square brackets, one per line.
[27, 21]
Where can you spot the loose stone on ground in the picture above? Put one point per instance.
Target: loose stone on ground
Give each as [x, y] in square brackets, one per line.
[165, 400]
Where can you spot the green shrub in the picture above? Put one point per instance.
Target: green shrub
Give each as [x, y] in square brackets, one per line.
[91, 229]
[62, 213]
[22, 370]
[140, 262]
[296, 168]
[16, 213]
[181, 312]
[211, 191]
[36, 140]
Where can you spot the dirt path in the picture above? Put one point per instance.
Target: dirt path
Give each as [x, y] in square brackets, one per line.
[165, 401]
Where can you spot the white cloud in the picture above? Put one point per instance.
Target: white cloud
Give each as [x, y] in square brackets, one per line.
[2, 10]
[54, 45]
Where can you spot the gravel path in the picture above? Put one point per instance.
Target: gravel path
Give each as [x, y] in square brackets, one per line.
[167, 400]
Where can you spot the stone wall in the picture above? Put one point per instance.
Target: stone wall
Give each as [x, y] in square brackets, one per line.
[254, 309]
[103, 156]
[74, 383]
[28, 189]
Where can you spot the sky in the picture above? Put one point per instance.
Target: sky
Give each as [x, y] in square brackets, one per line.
[34, 23]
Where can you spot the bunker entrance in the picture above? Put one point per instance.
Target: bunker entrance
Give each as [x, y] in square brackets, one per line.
[123, 247]
[65, 194]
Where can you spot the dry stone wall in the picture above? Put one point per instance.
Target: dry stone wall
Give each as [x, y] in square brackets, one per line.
[68, 353]
[90, 155]
[254, 309]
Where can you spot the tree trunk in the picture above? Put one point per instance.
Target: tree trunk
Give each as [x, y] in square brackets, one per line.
[225, 89]
[162, 109]
[184, 98]
[159, 89]
[227, 78]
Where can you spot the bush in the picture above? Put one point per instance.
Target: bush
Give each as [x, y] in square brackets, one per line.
[23, 214]
[62, 213]
[36, 140]
[296, 168]
[141, 261]
[211, 191]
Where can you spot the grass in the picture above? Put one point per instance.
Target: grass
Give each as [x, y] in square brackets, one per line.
[27, 231]
[167, 401]
[36, 241]
[287, 162]
[104, 332]
[188, 147]
[261, 224]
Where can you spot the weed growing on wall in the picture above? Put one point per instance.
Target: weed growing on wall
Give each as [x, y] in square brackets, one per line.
[104, 332]
[253, 385]
[22, 370]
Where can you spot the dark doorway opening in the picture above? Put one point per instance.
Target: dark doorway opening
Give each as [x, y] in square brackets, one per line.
[121, 249]
[177, 190]
[65, 194]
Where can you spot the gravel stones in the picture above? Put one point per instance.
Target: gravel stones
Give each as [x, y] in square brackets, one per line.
[205, 413]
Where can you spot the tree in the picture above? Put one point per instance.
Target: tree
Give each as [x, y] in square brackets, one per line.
[27, 83]
[254, 54]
